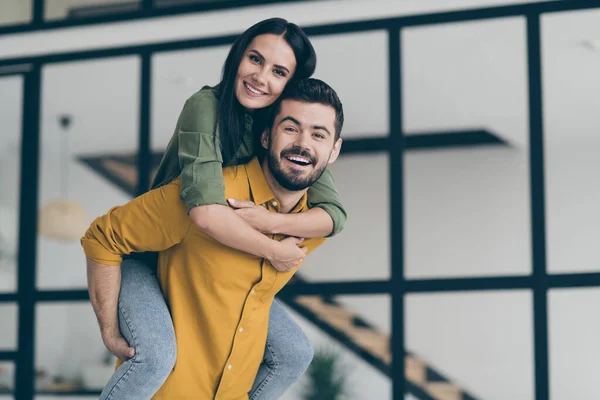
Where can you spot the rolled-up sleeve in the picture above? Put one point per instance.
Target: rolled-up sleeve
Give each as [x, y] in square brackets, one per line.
[154, 221]
[324, 194]
[199, 154]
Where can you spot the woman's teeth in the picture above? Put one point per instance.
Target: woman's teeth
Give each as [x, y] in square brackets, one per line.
[252, 89]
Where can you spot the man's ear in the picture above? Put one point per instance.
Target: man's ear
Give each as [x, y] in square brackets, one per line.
[335, 152]
[264, 139]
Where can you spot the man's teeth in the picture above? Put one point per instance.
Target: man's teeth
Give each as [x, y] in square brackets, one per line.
[252, 89]
[299, 159]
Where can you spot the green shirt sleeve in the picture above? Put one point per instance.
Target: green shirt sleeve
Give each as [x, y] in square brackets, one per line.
[323, 194]
[199, 152]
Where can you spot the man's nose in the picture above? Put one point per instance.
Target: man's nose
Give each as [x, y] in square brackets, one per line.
[302, 141]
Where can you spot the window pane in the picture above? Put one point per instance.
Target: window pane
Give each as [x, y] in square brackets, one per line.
[11, 101]
[466, 206]
[9, 319]
[7, 378]
[15, 12]
[571, 61]
[362, 250]
[574, 351]
[344, 62]
[355, 329]
[69, 353]
[173, 3]
[176, 76]
[88, 166]
[464, 336]
[75, 9]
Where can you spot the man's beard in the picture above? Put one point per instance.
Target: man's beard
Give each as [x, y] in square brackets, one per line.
[290, 180]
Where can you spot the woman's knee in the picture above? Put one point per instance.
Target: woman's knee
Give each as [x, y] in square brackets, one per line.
[289, 348]
[302, 354]
[290, 355]
[157, 353]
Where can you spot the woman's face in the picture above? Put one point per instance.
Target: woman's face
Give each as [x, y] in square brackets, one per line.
[266, 67]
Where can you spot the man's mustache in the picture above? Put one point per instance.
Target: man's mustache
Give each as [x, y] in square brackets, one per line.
[297, 151]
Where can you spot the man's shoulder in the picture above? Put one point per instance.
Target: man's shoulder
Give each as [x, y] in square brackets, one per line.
[236, 181]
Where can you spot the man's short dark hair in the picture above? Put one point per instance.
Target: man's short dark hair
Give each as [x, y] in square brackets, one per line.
[311, 90]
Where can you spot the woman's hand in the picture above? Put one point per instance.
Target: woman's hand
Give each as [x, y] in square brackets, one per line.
[287, 254]
[257, 217]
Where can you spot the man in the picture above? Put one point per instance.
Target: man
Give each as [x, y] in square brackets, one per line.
[220, 297]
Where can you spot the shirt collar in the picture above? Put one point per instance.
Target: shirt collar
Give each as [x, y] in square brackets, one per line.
[261, 191]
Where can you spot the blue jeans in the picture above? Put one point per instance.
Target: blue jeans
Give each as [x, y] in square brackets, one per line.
[146, 324]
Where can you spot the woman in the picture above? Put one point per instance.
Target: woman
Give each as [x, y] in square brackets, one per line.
[215, 129]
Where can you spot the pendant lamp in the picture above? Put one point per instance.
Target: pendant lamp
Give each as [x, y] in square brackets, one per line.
[63, 219]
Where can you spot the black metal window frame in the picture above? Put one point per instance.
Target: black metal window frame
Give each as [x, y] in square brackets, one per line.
[145, 9]
[539, 282]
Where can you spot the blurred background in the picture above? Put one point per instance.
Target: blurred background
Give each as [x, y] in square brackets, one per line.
[467, 172]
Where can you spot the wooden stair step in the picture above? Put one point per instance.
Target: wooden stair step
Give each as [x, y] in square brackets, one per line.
[125, 171]
[415, 370]
[343, 320]
[328, 311]
[375, 342]
[443, 391]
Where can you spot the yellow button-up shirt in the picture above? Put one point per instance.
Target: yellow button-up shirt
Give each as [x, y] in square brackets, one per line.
[219, 297]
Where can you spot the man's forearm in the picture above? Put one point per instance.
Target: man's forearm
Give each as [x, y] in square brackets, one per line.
[104, 282]
[315, 223]
[224, 225]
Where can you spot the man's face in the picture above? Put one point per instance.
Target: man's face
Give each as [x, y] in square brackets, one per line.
[301, 143]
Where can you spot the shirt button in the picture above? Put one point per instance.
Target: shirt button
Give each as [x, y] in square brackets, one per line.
[241, 329]
[229, 366]
[252, 291]
[274, 204]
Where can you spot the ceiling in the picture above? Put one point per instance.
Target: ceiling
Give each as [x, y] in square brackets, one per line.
[455, 76]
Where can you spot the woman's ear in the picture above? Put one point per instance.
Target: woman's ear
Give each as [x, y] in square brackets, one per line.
[264, 139]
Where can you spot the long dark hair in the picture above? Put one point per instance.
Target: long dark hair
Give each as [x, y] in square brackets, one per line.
[231, 123]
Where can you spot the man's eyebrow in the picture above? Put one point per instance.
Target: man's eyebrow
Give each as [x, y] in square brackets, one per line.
[263, 57]
[322, 128]
[295, 121]
[290, 118]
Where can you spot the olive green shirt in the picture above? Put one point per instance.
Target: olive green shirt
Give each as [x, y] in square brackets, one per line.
[192, 153]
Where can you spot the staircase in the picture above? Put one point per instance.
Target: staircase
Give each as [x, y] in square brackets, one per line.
[373, 346]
